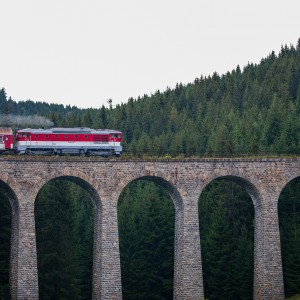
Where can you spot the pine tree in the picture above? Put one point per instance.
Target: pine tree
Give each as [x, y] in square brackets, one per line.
[216, 256]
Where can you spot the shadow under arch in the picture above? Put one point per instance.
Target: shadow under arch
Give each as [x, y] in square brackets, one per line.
[11, 196]
[177, 208]
[94, 198]
[289, 225]
[223, 242]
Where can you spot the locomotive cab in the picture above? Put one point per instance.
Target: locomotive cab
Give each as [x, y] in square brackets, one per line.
[6, 139]
[115, 142]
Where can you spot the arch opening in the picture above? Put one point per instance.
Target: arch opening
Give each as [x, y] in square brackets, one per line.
[289, 225]
[226, 224]
[64, 218]
[146, 220]
[8, 205]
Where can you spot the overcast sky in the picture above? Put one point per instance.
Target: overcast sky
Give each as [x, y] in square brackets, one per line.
[83, 52]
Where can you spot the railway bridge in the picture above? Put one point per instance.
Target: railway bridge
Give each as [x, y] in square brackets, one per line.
[264, 180]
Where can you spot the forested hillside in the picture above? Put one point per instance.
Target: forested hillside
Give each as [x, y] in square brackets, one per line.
[254, 110]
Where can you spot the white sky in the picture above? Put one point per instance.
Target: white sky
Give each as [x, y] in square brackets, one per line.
[83, 52]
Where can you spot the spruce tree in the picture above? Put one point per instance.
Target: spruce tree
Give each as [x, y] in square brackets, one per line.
[5, 235]
[146, 231]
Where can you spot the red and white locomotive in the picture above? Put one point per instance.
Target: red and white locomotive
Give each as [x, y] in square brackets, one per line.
[59, 141]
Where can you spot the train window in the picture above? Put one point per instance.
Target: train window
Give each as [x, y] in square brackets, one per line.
[0, 138]
[36, 135]
[117, 136]
[56, 135]
[6, 138]
[66, 136]
[47, 136]
[85, 136]
[28, 135]
[76, 136]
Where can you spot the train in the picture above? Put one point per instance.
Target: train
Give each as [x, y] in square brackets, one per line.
[60, 141]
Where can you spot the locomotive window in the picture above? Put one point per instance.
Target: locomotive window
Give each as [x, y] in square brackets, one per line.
[56, 135]
[6, 138]
[66, 136]
[76, 136]
[117, 136]
[36, 135]
[46, 136]
[28, 135]
[86, 136]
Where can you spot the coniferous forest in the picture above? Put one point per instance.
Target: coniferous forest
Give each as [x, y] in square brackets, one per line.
[249, 111]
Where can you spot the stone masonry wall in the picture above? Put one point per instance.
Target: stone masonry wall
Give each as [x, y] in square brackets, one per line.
[264, 179]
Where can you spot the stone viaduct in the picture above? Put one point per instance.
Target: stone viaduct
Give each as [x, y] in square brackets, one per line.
[264, 180]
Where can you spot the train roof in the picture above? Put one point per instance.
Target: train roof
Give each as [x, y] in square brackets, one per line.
[79, 130]
[5, 130]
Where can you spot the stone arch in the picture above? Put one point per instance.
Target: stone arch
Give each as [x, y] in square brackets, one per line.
[162, 182]
[92, 188]
[12, 196]
[244, 182]
[282, 184]
[73, 175]
[178, 205]
[83, 183]
[169, 187]
[14, 203]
